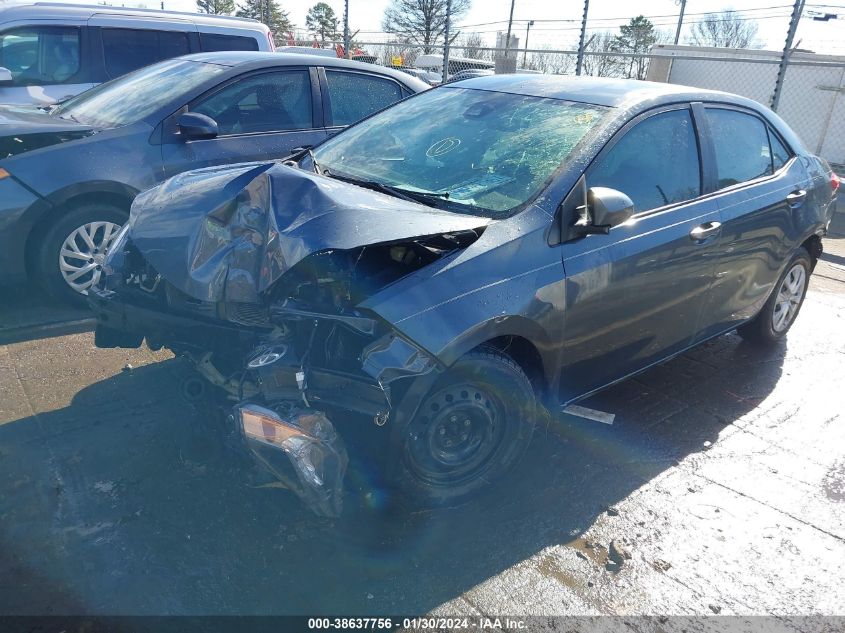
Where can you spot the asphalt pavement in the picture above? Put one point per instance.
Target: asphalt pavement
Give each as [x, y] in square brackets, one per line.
[719, 489]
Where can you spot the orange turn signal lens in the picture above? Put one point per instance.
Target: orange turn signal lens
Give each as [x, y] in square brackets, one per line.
[265, 426]
[4, 173]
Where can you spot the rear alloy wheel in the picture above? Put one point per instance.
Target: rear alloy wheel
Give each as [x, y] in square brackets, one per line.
[474, 425]
[778, 315]
[75, 248]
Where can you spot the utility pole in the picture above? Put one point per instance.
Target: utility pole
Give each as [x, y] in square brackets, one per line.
[346, 28]
[787, 51]
[680, 20]
[579, 64]
[527, 30]
[446, 41]
[508, 38]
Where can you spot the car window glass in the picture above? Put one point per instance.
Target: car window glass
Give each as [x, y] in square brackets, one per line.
[741, 144]
[475, 151]
[132, 97]
[355, 96]
[40, 55]
[125, 50]
[267, 102]
[655, 163]
[779, 152]
[217, 42]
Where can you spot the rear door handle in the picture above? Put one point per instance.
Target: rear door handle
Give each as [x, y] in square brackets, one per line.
[703, 231]
[796, 198]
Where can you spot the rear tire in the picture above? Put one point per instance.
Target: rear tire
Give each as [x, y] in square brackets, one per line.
[778, 314]
[73, 249]
[473, 426]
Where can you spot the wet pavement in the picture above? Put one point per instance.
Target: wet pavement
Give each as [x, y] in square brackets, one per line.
[720, 488]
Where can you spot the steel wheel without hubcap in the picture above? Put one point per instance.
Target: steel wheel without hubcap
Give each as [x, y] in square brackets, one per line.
[455, 438]
[789, 298]
[83, 253]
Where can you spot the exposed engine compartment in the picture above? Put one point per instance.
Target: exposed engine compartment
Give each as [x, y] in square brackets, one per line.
[305, 339]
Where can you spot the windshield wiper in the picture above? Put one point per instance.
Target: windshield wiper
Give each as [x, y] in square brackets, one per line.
[396, 192]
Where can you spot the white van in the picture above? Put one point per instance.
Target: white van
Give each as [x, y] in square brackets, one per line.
[51, 51]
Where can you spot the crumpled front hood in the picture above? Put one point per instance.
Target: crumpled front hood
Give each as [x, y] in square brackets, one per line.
[228, 233]
[24, 129]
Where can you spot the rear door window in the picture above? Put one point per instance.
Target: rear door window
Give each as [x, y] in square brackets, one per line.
[42, 55]
[210, 42]
[125, 50]
[741, 142]
[655, 163]
[267, 102]
[355, 96]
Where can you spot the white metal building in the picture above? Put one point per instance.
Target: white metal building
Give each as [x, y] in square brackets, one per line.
[812, 101]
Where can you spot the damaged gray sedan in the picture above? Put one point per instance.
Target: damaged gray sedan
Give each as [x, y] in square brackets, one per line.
[452, 265]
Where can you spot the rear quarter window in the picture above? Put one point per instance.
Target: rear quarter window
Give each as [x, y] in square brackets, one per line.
[125, 50]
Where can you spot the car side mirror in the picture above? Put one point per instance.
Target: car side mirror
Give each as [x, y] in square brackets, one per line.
[5, 75]
[194, 126]
[607, 208]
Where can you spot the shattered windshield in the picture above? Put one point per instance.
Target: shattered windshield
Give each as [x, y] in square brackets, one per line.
[134, 96]
[474, 151]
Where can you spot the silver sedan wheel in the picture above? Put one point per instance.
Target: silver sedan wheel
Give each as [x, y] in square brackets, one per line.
[789, 298]
[83, 253]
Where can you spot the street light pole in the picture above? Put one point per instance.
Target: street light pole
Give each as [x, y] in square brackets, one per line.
[680, 20]
[508, 38]
[527, 30]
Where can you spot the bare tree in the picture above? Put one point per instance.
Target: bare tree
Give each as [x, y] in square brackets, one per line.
[726, 29]
[473, 46]
[597, 59]
[550, 61]
[421, 21]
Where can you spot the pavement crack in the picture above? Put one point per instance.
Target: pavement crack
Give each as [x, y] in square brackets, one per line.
[770, 506]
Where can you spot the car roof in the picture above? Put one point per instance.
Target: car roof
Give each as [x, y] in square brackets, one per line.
[259, 59]
[597, 90]
[59, 10]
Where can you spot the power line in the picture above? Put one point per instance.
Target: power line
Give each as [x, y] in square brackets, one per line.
[649, 17]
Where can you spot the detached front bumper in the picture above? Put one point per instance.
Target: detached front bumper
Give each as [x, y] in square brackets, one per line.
[124, 324]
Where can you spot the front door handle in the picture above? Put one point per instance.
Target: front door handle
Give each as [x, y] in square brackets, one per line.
[703, 231]
[796, 198]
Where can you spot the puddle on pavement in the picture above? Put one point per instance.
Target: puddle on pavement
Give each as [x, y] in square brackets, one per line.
[549, 566]
[589, 550]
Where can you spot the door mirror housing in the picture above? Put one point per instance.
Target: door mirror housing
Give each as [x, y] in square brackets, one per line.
[609, 207]
[194, 126]
[5, 75]
[604, 208]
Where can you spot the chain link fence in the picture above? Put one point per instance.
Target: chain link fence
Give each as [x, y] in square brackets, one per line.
[812, 100]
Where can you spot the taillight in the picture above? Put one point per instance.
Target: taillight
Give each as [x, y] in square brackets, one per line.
[834, 183]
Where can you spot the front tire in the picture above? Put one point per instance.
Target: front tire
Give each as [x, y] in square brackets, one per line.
[778, 314]
[73, 250]
[473, 426]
